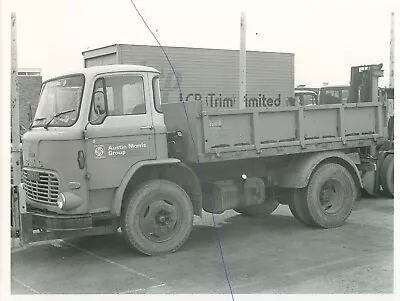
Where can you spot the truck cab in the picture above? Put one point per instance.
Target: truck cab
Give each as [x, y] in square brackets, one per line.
[305, 97]
[334, 94]
[85, 120]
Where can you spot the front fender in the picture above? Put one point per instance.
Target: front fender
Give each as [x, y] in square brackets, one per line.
[297, 174]
[117, 201]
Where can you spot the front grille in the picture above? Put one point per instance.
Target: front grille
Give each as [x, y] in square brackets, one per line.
[41, 186]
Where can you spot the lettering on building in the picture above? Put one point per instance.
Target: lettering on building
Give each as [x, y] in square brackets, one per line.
[218, 101]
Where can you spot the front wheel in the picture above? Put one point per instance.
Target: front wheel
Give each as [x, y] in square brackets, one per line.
[158, 217]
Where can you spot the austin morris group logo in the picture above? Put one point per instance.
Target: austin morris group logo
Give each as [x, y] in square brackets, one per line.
[99, 151]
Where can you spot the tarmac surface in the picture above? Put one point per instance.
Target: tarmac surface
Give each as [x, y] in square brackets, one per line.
[273, 255]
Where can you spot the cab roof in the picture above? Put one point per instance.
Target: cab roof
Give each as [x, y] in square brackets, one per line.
[93, 71]
[296, 91]
[336, 87]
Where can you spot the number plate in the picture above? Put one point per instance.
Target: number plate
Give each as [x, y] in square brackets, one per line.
[32, 176]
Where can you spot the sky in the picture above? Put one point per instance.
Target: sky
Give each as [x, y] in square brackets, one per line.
[326, 36]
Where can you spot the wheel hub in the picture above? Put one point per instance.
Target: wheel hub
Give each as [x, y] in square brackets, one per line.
[159, 220]
[331, 196]
[163, 218]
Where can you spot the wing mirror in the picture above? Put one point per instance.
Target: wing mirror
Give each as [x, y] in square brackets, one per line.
[99, 111]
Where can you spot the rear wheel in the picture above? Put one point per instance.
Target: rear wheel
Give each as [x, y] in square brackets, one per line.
[158, 217]
[261, 210]
[387, 176]
[298, 209]
[329, 198]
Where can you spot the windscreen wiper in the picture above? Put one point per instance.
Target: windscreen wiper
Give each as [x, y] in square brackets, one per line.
[57, 115]
[36, 119]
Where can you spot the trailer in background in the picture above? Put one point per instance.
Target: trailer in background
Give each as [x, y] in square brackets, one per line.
[210, 75]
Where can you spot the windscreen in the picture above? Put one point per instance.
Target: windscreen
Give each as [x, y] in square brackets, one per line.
[60, 97]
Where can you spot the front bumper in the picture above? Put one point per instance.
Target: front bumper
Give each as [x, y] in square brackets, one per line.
[39, 225]
[42, 226]
[55, 222]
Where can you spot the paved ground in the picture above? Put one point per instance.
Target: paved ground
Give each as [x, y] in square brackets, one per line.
[275, 255]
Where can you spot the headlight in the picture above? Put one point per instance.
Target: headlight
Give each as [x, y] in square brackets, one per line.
[68, 201]
[61, 201]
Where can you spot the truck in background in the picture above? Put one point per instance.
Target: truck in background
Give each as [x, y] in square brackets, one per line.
[105, 153]
[334, 94]
[385, 153]
[385, 162]
[305, 97]
[384, 184]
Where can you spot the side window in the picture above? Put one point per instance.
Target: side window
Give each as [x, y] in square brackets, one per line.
[309, 99]
[345, 95]
[133, 98]
[156, 94]
[331, 97]
[118, 95]
[127, 95]
[110, 100]
[299, 100]
[333, 93]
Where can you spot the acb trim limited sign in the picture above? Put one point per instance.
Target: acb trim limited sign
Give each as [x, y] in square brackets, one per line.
[218, 101]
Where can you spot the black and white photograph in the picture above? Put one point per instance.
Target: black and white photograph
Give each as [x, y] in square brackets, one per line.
[227, 150]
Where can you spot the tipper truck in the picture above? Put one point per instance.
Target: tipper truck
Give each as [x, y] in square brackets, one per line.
[104, 153]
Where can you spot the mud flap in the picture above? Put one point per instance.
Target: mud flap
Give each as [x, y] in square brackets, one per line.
[369, 179]
[26, 231]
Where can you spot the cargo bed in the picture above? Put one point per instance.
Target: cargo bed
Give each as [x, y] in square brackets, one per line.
[221, 134]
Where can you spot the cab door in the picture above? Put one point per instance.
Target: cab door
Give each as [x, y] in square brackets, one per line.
[121, 131]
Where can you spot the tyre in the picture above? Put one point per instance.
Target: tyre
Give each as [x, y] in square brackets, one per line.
[294, 212]
[157, 218]
[329, 196]
[298, 208]
[387, 176]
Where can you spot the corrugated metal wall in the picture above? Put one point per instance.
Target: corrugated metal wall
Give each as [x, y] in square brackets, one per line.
[210, 74]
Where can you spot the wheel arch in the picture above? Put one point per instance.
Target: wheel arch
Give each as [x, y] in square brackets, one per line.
[169, 169]
[300, 170]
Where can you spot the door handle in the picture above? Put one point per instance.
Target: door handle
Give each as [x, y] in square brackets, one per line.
[146, 127]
